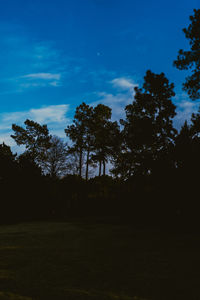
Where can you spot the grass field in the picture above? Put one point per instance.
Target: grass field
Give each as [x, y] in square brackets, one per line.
[97, 261]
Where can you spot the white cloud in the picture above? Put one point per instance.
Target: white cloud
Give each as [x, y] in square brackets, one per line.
[118, 101]
[4, 137]
[39, 80]
[123, 83]
[54, 116]
[48, 114]
[55, 83]
[44, 76]
[53, 113]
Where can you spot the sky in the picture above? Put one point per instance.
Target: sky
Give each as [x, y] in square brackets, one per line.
[56, 54]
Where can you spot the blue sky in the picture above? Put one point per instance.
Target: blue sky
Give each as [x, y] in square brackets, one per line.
[56, 54]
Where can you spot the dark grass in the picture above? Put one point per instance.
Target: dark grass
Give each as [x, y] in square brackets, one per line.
[74, 260]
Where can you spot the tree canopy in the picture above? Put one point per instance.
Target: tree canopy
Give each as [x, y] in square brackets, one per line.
[34, 137]
[147, 129]
[190, 59]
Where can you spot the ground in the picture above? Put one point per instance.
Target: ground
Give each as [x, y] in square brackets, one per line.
[78, 260]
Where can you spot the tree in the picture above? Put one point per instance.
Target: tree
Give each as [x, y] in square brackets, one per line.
[183, 147]
[35, 138]
[56, 163]
[80, 132]
[72, 162]
[195, 124]
[8, 164]
[147, 130]
[6, 153]
[187, 146]
[195, 134]
[191, 59]
[105, 132]
[28, 167]
[187, 149]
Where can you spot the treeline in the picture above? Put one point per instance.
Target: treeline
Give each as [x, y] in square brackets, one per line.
[153, 168]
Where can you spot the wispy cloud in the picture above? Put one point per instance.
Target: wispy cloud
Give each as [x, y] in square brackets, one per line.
[45, 76]
[123, 83]
[50, 114]
[121, 95]
[116, 102]
[27, 62]
[40, 80]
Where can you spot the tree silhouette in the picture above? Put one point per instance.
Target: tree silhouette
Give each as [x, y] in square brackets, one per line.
[35, 138]
[183, 147]
[105, 131]
[8, 165]
[147, 130]
[80, 134]
[191, 59]
[89, 135]
[28, 167]
[187, 146]
[56, 163]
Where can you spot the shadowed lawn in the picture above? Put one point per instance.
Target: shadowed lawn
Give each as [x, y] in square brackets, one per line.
[97, 261]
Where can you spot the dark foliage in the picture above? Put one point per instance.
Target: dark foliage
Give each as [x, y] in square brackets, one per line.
[191, 59]
[148, 133]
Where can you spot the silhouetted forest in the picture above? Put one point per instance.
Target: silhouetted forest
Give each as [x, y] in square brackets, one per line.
[154, 169]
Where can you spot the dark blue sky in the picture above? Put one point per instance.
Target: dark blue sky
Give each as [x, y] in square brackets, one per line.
[56, 54]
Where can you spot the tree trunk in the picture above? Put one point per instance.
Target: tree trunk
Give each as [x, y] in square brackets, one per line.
[80, 162]
[87, 165]
[104, 168]
[100, 168]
